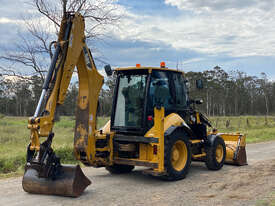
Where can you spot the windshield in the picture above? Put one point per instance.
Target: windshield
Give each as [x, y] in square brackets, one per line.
[130, 100]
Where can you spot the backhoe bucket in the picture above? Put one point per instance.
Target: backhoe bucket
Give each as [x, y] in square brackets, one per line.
[70, 182]
[235, 148]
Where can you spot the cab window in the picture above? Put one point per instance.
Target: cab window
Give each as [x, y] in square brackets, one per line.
[130, 100]
[180, 89]
[160, 90]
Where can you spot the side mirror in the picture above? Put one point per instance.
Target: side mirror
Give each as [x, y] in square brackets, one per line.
[198, 101]
[199, 84]
[108, 70]
[187, 83]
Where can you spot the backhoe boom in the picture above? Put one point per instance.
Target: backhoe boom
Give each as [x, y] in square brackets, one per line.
[71, 51]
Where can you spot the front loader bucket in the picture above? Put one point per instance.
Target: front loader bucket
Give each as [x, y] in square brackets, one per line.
[235, 148]
[71, 182]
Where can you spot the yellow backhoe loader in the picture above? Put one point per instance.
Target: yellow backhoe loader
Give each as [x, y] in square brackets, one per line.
[153, 123]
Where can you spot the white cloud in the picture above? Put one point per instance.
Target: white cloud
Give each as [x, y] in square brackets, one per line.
[220, 5]
[236, 28]
[4, 20]
[191, 61]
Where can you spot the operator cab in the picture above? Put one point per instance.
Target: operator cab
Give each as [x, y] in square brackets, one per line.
[139, 89]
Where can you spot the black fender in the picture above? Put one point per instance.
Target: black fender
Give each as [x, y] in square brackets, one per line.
[183, 126]
[211, 139]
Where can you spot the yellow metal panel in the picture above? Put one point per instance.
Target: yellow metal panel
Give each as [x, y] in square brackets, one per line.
[150, 154]
[195, 141]
[142, 152]
[234, 138]
[35, 144]
[75, 46]
[199, 155]
[90, 83]
[161, 124]
[137, 162]
[198, 117]
[111, 146]
[102, 149]
[170, 120]
[159, 132]
[46, 124]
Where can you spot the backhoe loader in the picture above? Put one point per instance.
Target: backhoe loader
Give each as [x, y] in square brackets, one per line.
[153, 123]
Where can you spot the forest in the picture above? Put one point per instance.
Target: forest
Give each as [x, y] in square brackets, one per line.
[224, 94]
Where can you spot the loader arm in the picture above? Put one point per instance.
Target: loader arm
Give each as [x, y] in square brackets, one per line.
[71, 51]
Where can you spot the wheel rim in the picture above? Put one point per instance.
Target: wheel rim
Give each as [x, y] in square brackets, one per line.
[219, 153]
[179, 155]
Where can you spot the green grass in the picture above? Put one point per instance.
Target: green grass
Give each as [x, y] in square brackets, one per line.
[257, 128]
[269, 200]
[14, 137]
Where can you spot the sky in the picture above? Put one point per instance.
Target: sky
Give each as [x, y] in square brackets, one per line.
[192, 35]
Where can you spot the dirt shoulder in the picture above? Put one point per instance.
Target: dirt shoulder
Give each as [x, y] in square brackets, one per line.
[239, 186]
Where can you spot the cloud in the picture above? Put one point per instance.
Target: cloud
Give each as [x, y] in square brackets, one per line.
[152, 8]
[14, 9]
[8, 33]
[4, 20]
[198, 34]
[220, 5]
[123, 53]
[236, 28]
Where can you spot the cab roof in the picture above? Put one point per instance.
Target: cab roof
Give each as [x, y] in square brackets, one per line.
[147, 68]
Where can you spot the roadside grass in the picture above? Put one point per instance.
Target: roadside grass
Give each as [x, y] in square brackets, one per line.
[268, 200]
[14, 137]
[256, 128]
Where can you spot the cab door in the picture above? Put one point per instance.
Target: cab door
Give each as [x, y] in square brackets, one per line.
[160, 92]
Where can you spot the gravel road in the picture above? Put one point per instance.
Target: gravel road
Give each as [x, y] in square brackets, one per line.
[231, 185]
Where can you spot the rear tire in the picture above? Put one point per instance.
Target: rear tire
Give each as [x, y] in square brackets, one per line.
[177, 157]
[119, 169]
[215, 154]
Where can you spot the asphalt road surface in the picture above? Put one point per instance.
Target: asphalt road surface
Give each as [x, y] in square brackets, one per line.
[232, 185]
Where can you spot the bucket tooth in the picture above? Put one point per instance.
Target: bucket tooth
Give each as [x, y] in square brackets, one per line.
[71, 182]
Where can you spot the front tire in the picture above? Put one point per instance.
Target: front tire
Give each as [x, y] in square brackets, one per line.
[177, 157]
[119, 169]
[215, 154]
